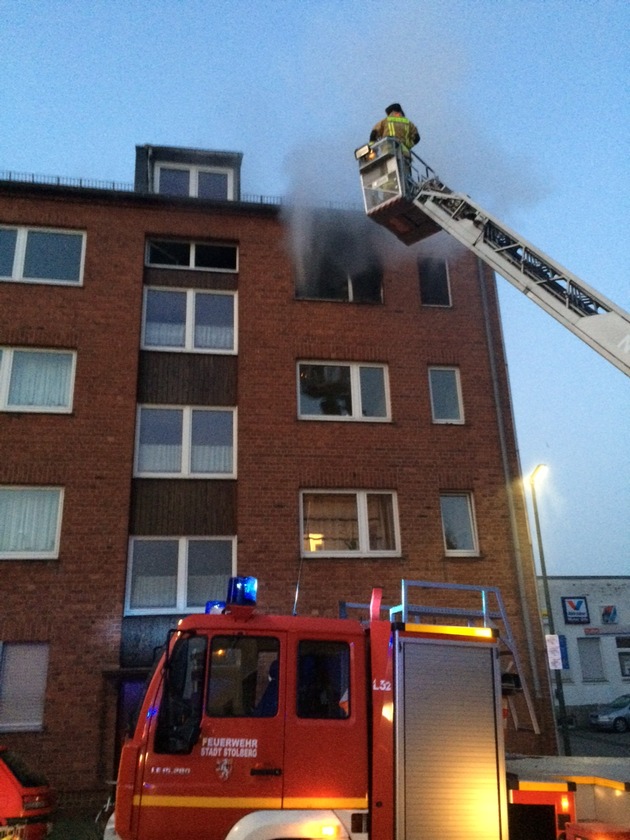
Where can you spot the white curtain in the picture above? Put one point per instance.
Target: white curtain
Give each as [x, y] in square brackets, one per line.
[28, 519]
[202, 588]
[160, 458]
[153, 591]
[211, 459]
[215, 338]
[163, 334]
[40, 379]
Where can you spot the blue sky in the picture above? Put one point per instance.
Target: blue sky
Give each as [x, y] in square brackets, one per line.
[522, 104]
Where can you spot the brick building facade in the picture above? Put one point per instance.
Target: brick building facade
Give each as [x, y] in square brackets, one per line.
[192, 384]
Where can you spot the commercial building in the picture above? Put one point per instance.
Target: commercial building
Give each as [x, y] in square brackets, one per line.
[194, 383]
[592, 616]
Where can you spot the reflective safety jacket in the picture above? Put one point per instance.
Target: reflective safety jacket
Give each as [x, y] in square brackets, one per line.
[399, 127]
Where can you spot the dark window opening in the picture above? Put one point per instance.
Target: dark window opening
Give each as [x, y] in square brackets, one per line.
[434, 288]
[244, 677]
[179, 718]
[366, 285]
[169, 253]
[323, 680]
[338, 261]
[325, 390]
[206, 255]
[215, 256]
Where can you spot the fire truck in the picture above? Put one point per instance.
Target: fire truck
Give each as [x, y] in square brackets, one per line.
[388, 724]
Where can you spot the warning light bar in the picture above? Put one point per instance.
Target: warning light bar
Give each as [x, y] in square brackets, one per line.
[487, 633]
[242, 591]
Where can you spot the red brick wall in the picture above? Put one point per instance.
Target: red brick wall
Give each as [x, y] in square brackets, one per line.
[76, 602]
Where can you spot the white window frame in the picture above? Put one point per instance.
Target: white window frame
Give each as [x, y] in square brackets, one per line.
[192, 243]
[461, 552]
[363, 549]
[7, 355]
[53, 553]
[450, 421]
[22, 686]
[355, 392]
[17, 273]
[193, 172]
[181, 605]
[186, 444]
[189, 329]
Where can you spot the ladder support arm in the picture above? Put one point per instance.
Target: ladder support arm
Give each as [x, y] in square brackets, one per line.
[413, 204]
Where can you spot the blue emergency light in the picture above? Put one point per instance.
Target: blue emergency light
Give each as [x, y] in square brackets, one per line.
[242, 591]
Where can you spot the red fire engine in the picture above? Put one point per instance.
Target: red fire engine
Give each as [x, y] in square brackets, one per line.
[258, 727]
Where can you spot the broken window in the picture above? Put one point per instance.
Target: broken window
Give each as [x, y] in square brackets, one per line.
[336, 260]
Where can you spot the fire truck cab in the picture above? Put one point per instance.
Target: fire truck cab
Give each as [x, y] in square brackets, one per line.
[251, 715]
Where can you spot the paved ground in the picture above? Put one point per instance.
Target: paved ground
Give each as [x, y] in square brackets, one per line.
[590, 742]
[75, 830]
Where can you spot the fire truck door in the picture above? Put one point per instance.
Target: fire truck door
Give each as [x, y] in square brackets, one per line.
[201, 783]
[326, 731]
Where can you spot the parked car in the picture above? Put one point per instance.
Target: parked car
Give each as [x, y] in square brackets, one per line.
[614, 716]
[26, 799]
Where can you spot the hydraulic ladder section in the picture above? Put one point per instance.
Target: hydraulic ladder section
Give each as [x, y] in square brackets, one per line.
[404, 195]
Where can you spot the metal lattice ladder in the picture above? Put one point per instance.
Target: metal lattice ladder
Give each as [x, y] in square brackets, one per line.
[489, 611]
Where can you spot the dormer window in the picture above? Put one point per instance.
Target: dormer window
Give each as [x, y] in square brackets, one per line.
[188, 173]
[214, 184]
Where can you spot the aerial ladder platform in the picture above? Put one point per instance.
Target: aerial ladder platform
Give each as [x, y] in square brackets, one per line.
[402, 193]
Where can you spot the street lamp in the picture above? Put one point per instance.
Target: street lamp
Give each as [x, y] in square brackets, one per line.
[540, 470]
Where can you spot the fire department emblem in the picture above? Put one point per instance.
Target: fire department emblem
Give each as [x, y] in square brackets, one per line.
[224, 768]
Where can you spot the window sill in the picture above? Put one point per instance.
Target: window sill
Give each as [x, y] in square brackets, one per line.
[351, 555]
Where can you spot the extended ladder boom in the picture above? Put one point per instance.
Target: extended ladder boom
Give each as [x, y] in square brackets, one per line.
[414, 204]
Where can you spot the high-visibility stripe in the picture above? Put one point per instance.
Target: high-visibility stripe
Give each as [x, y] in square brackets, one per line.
[250, 802]
[253, 802]
[307, 802]
[600, 782]
[544, 786]
[405, 124]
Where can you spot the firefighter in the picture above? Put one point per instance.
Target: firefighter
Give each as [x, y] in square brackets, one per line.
[396, 125]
